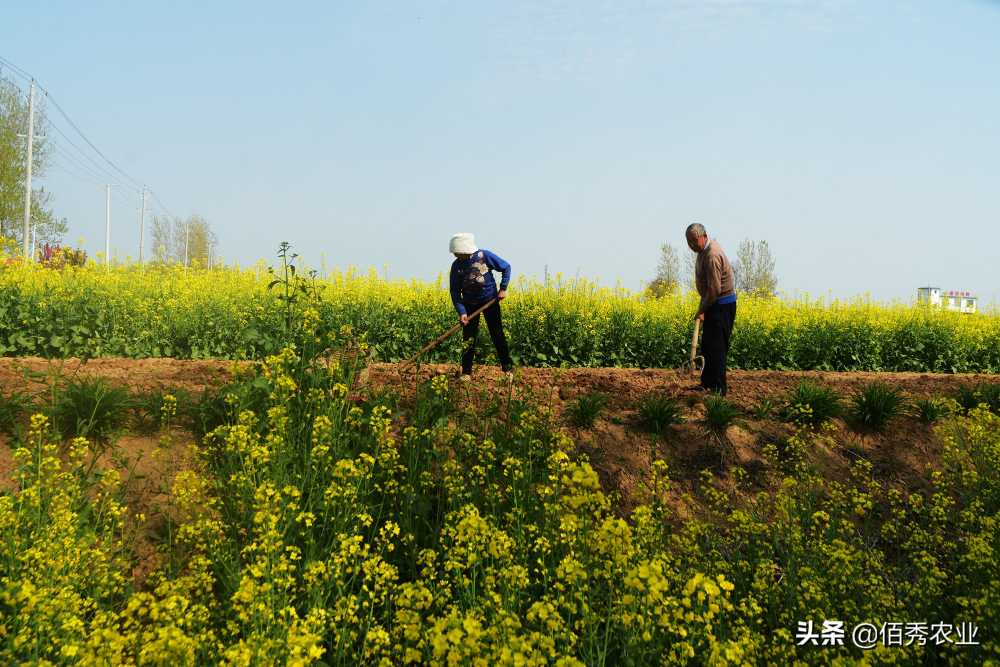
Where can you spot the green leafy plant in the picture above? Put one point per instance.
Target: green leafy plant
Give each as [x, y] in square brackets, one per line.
[812, 403]
[930, 410]
[13, 409]
[658, 411]
[967, 397]
[989, 394]
[876, 404]
[764, 409]
[91, 408]
[583, 412]
[719, 413]
[147, 410]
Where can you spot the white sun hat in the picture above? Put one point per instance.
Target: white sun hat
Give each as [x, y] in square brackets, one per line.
[463, 244]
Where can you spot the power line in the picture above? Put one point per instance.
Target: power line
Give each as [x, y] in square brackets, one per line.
[82, 175]
[17, 70]
[97, 166]
[157, 200]
[106, 175]
[49, 97]
[85, 168]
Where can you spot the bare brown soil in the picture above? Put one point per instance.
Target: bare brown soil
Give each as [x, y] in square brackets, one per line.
[620, 451]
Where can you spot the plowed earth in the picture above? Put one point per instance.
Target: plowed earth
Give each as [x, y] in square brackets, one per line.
[620, 451]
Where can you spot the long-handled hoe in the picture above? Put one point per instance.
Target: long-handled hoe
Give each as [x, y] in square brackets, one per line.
[695, 363]
[443, 337]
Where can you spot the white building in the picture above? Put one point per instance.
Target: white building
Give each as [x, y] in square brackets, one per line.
[961, 302]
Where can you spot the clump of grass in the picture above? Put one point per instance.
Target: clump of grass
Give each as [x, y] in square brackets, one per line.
[148, 409]
[657, 412]
[930, 410]
[876, 404]
[967, 397]
[435, 401]
[764, 409]
[719, 413]
[90, 408]
[13, 408]
[583, 412]
[984, 393]
[812, 403]
[989, 393]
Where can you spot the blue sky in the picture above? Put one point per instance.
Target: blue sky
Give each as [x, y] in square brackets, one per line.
[860, 139]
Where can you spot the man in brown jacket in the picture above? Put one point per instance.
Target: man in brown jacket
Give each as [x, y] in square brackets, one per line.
[713, 276]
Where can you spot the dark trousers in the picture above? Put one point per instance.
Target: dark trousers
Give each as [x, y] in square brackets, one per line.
[471, 332]
[716, 331]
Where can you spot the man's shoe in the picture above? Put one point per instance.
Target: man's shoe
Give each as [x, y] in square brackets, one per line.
[465, 377]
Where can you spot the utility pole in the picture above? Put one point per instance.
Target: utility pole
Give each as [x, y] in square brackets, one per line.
[142, 222]
[107, 227]
[187, 238]
[27, 174]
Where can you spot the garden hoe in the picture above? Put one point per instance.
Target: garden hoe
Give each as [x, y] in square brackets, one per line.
[443, 337]
[695, 363]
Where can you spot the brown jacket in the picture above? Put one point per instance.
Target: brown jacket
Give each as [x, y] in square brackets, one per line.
[713, 275]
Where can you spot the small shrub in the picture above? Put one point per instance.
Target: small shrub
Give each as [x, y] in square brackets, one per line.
[91, 408]
[877, 404]
[215, 407]
[582, 412]
[13, 408]
[812, 403]
[989, 394]
[764, 409]
[984, 393]
[719, 413]
[967, 397]
[930, 410]
[434, 402]
[657, 412]
[148, 409]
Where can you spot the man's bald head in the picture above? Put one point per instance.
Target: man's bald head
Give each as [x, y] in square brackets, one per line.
[696, 236]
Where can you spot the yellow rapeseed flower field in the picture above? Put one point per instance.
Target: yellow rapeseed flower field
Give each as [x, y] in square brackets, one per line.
[231, 313]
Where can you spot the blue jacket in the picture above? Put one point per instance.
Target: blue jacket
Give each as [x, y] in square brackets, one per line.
[472, 279]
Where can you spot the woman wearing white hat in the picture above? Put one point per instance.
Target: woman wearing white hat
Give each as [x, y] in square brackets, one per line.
[472, 285]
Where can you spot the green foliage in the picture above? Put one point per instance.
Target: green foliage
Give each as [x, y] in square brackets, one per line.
[14, 407]
[435, 402]
[754, 269]
[970, 397]
[13, 156]
[765, 408]
[91, 408]
[931, 410]
[230, 313]
[812, 403]
[315, 530]
[876, 404]
[720, 413]
[658, 411]
[584, 410]
[989, 395]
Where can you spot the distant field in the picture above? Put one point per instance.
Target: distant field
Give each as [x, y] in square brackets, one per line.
[231, 314]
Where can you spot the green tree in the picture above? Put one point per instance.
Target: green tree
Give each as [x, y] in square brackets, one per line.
[175, 239]
[13, 153]
[668, 273]
[755, 269]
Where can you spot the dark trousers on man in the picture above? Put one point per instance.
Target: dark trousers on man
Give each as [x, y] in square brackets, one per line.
[716, 331]
[471, 332]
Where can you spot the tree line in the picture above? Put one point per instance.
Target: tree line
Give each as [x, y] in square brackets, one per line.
[190, 241]
[753, 269]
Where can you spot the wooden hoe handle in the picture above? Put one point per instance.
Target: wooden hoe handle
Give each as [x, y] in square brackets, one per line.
[437, 341]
